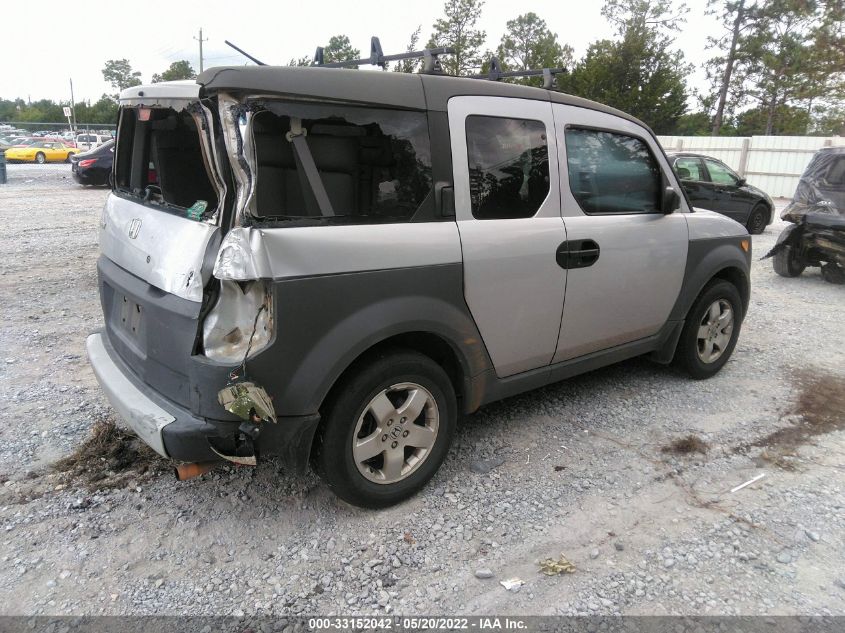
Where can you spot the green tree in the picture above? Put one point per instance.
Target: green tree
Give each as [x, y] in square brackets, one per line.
[181, 69]
[637, 73]
[737, 18]
[693, 124]
[410, 65]
[302, 61]
[119, 73]
[529, 44]
[788, 120]
[340, 49]
[823, 86]
[458, 29]
[780, 55]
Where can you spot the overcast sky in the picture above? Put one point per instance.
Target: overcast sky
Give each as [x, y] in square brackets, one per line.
[42, 50]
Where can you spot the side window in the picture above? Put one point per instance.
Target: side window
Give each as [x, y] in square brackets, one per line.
[689, 169]
[508, 166]
[611, 172]
[720, 174]
[374, 164]
[836, 173]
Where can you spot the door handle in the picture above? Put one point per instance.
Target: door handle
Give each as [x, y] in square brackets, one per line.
[577, 254]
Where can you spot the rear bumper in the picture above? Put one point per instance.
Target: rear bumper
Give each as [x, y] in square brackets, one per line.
[173, 431]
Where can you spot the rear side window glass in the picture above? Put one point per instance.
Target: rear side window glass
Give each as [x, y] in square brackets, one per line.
[720, 174]
[374, 164]
[836, 173]
[611, 172]
[689, 169]
[508, 166]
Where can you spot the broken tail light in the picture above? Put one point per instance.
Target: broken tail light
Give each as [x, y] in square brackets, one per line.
[241, 322]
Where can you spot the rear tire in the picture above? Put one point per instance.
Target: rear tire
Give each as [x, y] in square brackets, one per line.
[710, 331]
[368, 452]
[757, 219]
[40, 158]
[787, 263]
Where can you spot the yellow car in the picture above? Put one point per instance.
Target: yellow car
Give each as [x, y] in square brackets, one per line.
[41, 152]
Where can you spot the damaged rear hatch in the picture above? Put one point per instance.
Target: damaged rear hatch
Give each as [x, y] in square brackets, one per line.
[159, 234]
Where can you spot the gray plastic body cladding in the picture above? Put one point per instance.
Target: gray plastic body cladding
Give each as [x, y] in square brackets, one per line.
[707, 257]
[324, 323]
[186, 437]
[160, 355]
[490, 388]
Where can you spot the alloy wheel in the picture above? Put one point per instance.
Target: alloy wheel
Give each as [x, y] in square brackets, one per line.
[395, 433]
[715, 330]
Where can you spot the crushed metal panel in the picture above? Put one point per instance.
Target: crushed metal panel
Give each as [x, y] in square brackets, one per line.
[248, 401]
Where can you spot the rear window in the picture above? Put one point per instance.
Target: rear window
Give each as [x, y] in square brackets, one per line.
[508, 166]
[373, 165]
[159, 159]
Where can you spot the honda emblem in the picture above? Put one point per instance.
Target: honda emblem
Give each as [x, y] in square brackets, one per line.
[134, 228]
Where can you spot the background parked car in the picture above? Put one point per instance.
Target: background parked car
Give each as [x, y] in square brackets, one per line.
[94, 166]
[89, 141]
[41, 152]
[710, 184]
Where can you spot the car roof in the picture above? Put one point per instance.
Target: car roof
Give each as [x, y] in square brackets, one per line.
[416, 91]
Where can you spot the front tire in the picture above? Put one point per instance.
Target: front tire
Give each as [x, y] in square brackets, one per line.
[387, 429]
[40, 158]
[787, 263]
[711, 330]
[757, 220]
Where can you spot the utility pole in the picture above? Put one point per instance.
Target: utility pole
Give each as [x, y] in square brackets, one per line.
[72, 109]
[200, 40]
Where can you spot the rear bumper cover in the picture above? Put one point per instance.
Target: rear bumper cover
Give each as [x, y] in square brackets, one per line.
[174, 432]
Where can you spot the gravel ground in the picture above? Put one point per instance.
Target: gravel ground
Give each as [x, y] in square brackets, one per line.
[574, 469]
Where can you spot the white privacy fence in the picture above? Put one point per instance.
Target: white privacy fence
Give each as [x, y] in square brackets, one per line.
[772, 163]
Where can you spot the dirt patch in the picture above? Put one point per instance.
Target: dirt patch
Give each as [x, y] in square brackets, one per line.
[109, 458]
[686, 445]
[820, 407]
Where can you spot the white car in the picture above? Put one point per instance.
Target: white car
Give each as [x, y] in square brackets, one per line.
[90, 141]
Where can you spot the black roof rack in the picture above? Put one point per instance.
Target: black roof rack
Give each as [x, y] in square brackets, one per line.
[431, 63]
[496, 74]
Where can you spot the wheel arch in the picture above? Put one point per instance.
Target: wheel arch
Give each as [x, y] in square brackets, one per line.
[432, 345]
[739, 279]
[718, 258]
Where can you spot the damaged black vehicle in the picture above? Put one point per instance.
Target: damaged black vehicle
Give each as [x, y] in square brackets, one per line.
[817, 212]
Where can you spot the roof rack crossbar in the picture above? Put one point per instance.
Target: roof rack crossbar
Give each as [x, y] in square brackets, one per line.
[496, 74]
[378, 58]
